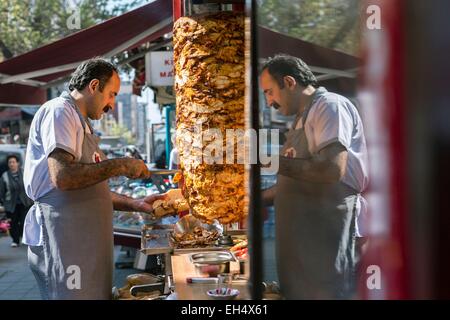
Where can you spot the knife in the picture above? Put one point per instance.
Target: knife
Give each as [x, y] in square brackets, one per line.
[163, 171]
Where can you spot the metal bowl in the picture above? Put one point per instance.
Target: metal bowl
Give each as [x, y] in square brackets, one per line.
[212, 262]
[223, 293]
[211, 257]
[188, 223]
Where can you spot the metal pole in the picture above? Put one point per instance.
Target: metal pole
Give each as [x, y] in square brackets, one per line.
[167, 110]
[178, 9]
[255, 219]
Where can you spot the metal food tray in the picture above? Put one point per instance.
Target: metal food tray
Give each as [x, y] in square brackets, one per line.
[155, 239]
[212, 258]
[187, 224]
[176, 250]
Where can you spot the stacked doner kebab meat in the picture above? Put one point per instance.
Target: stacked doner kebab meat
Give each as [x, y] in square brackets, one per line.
[210, 84]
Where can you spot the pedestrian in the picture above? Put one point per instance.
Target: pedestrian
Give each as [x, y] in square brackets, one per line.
[14, 198]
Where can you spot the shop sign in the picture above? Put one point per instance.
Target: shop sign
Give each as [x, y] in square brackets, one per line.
[159, 68]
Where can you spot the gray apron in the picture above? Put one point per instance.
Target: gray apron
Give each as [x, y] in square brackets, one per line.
[315, 230]
[76, 259]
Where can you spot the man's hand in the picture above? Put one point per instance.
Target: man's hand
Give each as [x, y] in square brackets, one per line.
[124, 203]
[146, 204]
[136, 169]
[328, 166]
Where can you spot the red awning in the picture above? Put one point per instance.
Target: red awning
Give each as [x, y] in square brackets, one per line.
[271, 43]
[145, 24]
[59, 58]
[335, 70]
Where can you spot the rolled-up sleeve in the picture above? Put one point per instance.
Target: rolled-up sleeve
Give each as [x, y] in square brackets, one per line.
[59, 130]
[332, 122]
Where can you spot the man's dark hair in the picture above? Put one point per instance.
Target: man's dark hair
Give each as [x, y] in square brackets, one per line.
[96, 68]
[283, 65]
[12, 156]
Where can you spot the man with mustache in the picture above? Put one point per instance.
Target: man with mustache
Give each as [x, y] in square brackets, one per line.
[323, 170]
[69, 228]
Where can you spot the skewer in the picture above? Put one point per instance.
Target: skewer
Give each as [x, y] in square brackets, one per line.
[163, 171]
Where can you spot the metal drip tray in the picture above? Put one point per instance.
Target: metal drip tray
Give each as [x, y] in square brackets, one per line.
[155, 239]
[211, 258]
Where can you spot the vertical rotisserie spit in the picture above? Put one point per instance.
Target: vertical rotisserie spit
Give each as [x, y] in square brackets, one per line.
[210, 84]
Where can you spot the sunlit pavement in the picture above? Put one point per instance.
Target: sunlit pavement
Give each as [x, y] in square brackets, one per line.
[16, 280]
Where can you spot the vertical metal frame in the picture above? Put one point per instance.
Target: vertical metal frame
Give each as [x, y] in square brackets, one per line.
[182, 8]
[255, 212]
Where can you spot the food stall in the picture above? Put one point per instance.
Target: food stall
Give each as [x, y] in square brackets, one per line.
[26, 79]
[209, 65]
[216, 72]
[209, 244]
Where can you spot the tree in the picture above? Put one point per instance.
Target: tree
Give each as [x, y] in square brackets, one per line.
[26, 25]
[330, 23]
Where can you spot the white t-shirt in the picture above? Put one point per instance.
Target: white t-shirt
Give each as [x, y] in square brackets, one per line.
[55, 125]
[333, 118]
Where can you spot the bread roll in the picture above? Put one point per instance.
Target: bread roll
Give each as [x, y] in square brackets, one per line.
[174, 203]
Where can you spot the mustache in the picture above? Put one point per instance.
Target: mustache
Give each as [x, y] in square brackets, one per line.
[106, 109]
